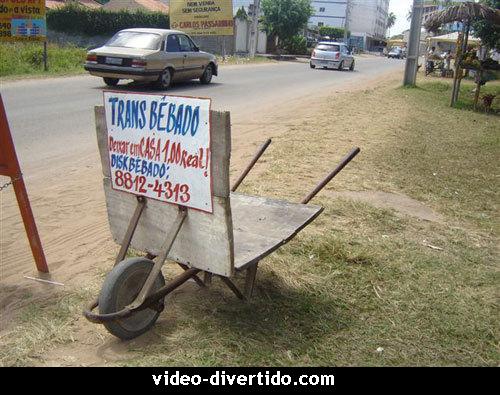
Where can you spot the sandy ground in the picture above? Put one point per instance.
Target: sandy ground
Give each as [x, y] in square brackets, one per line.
[72, 221]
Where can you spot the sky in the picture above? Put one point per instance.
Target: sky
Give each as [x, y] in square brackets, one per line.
[400, 9]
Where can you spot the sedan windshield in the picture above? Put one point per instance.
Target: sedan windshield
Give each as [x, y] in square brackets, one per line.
[135, 40]
[329, 48]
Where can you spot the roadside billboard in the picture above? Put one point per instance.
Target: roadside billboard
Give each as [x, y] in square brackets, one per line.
[22, 20]
[202, 17]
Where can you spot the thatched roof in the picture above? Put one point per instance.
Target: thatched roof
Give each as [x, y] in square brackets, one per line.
[464, 12]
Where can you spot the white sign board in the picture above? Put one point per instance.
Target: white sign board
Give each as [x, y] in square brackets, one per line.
[159, 147]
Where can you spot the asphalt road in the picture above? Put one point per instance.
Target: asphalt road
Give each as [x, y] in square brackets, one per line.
[52, 118]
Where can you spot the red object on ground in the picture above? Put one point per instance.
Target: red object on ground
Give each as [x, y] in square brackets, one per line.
[9, 166]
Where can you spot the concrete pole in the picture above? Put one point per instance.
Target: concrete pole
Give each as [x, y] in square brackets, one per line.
[411, 68]
[347, 16]
[254, 30]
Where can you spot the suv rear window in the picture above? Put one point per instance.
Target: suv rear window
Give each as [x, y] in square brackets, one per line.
[329, 48]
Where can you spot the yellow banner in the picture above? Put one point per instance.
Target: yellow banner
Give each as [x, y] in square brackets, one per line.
[22, 20]
[202, 17]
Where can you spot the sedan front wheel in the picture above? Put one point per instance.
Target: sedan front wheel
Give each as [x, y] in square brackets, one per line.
[206, 78]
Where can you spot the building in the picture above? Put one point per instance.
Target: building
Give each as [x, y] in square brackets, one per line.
[367, 22]
[329, 13]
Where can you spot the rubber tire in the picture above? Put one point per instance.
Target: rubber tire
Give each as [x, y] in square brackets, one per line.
[207, 78]
[120, 288]
[352, 66]
[111, 81]
[312, 66]
[163, 83]
[341, 66]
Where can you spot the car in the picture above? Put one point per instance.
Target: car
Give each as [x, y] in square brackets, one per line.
[396, 53]
[332, 55]
[151, 55]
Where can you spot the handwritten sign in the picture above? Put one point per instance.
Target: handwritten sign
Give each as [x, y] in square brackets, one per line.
[159, 147]
[22, 20]
[202, 17]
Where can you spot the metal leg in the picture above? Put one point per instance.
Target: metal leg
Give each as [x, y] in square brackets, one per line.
[207, 279]
[141, 203]
[232, 287]
[250, 280]
[198, 280]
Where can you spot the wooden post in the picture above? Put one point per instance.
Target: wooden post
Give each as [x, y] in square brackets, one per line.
[458, 73]
[9, 166]
[45, 56]
[479, 77]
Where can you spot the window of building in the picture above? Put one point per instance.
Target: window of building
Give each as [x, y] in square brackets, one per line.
[321, 9]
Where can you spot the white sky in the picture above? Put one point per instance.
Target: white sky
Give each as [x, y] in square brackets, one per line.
[400, 8]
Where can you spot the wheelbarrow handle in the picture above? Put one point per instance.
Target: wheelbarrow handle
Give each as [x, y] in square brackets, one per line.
[349, 157]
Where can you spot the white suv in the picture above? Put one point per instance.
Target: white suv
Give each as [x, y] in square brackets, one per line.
[332, 55]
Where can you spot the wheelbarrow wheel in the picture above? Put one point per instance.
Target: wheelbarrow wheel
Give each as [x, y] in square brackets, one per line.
[120, 288]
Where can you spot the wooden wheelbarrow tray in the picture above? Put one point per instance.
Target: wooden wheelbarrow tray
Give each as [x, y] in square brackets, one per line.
[241, 231]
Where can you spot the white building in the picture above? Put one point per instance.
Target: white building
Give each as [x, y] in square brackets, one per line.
[328, 13]
[367, 23]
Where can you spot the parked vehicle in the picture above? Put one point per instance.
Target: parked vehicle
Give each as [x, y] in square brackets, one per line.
[396, 53]
[151, 55]
[332, 55]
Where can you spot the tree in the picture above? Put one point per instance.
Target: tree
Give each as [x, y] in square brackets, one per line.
[242, 14]
[285, 18]
[487, 31]
[391, 20]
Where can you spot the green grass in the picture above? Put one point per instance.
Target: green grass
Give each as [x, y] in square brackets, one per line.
[236, 60]
[358, 278]
[26, 59]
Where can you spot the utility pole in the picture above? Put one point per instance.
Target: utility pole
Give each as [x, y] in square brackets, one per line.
[347, 16]
[254, 30]
[414, 44]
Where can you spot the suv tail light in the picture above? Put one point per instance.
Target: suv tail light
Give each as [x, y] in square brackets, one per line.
[139, 63]
[337, 56]
[91, 58]
[314, 54]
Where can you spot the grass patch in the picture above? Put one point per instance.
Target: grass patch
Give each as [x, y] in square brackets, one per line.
[26, 59]
[40, 327]
[235, 60]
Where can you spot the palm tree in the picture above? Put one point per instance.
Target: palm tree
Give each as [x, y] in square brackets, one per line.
[391, 20]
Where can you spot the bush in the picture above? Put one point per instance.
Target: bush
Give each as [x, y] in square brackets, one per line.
[332, 32]
[76, 19]
[297, 45]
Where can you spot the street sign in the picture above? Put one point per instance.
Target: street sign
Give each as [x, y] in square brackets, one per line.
[22, 20]
[203, 17]
[159, 147]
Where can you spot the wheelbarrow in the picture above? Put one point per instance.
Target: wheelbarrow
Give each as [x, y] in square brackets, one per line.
[241, 231]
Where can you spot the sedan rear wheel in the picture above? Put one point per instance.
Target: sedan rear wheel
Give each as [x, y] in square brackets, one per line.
[111, 81]
[312, 66]
[351, 68]
[165, 79]
[341, 66]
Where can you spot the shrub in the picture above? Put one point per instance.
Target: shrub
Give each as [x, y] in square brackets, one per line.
[332, 32]
[75, 19]
[297, 45]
